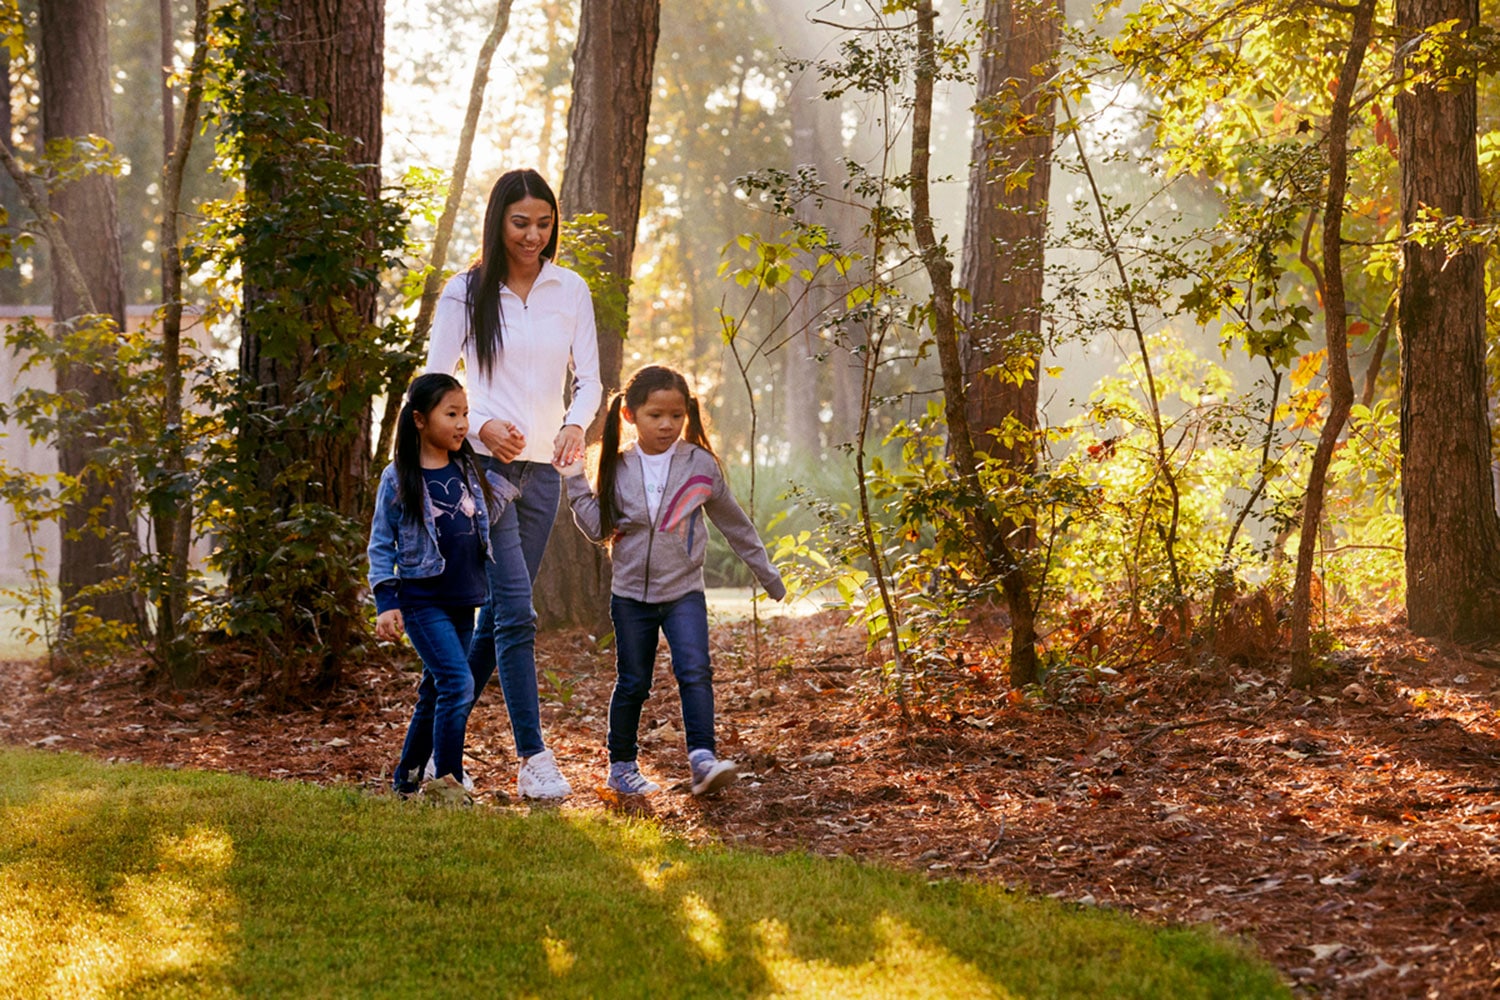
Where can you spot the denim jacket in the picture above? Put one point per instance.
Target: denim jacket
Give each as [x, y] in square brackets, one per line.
[402, 549]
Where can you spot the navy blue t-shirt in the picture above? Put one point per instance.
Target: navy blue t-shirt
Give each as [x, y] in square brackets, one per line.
[455, 511]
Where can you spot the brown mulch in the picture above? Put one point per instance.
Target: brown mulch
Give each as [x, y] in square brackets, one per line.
[1352, 833]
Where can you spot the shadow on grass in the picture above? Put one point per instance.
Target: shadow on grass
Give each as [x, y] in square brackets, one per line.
[129, 880]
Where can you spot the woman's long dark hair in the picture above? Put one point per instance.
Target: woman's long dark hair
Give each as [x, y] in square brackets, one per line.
[640, 387]
[488, 273]
[424, 396]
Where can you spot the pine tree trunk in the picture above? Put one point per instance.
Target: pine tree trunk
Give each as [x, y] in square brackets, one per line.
[1006, 223]
[1452, 533]
[331, 52]
[1000, 555]
[74, 69]
[612, 84]
[10, 198]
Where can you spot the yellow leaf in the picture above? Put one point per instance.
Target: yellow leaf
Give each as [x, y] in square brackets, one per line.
[1308, 367]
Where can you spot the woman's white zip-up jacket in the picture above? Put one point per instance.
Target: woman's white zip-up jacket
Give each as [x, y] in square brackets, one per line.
[661, 562]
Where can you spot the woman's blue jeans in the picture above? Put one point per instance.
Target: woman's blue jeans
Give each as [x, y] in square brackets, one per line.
[505, 638]
[638, 626]
[444, 698]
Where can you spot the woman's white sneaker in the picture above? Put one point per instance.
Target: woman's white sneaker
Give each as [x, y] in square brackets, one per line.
[539, 778]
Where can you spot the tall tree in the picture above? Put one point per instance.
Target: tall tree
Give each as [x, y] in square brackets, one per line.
[613, 81]
[73, 53]
[817, 142]
[10, 199]
[998, 554]
[1452, 533]
[172, 509]
[310, 139]
[1330, 279]
[1005, 224]
[432, 287]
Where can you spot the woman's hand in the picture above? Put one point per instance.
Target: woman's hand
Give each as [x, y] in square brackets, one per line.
[389, 626]
[504, 440]
[567, 447]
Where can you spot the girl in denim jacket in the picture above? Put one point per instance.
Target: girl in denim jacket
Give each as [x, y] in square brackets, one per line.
[649, 508]
[429, 544]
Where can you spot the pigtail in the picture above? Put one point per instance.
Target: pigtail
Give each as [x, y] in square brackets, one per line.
[695, 431]
[411, 492]
[609, 464]
[471, 472]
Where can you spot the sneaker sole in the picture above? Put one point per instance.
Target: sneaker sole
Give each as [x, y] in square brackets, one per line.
[638, 794]
[717, 780]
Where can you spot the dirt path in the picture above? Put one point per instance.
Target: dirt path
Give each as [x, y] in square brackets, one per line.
[1353, 834]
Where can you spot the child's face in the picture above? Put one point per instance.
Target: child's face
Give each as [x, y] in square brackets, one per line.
[444, 427]
[659, 420]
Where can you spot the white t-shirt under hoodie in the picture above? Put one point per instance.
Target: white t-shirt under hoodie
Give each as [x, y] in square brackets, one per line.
[654, 470]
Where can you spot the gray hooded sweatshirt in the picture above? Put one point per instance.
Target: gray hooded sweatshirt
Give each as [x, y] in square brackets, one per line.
[662, 562]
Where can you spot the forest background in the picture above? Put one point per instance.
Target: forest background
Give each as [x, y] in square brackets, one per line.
[1087, 314]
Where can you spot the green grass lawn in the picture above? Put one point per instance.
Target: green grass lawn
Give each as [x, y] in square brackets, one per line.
[125, 880]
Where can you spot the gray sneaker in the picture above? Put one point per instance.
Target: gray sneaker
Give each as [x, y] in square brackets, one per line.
[626, 778]
[710, 774]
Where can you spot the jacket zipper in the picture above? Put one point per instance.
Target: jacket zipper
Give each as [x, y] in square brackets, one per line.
[651, 537]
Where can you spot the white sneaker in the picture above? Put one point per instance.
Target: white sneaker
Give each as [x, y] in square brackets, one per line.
[539, 778]
[430, 772]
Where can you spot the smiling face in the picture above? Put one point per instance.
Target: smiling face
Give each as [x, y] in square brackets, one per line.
[527, 231]
[444, 427]
[659, 420]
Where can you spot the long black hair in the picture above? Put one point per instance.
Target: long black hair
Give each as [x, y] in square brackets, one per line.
[488, 273]
[425, 395]
[640, 387]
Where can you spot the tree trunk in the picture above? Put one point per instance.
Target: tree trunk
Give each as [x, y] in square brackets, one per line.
[10, 197]
[816, 142]
[612, 84]
[432, 288]
[1006, 224]
[74, 68]
[1336, 329]
[1448, 501]
[331, 54]
[172, 510]
[999, 555]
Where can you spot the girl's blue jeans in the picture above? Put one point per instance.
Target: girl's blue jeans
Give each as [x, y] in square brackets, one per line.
[444, 698]
[638, 627]
[506, 635]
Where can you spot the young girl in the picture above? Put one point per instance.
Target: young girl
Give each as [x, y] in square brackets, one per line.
[429, 544]
[649, 509]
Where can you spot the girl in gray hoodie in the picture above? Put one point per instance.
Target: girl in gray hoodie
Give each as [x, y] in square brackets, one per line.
[649, 509]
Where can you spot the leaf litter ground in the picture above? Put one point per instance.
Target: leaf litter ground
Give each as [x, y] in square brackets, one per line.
[1352, 832]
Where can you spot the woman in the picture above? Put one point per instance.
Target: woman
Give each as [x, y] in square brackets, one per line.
[520, 323]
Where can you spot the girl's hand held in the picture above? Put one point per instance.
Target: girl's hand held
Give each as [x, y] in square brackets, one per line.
[389, 625]
[567, 447]
[503, 439]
